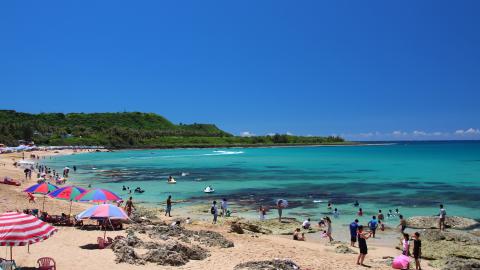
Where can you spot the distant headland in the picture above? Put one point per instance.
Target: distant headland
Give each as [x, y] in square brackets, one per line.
[133, 130]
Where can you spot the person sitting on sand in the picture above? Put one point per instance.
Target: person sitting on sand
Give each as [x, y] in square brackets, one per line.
[362, 244]
[306, 224]
[299, 236]
[324, 234]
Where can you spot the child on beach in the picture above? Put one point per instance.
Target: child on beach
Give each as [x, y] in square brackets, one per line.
[360, 212]
[362, 244]
[324, 234]
[373, 224]
[306, 224]
[402, 224]
[297, 235]
[406, 244]
[417, 250]
[263, 212]
[328, 223]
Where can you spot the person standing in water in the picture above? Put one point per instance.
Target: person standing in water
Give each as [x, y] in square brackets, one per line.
[280, 209]
[362, 244]
[442, 216]
[373, 224]
[353, 232]
[169, 206]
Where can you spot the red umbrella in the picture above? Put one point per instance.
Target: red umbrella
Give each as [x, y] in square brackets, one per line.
[18, 229]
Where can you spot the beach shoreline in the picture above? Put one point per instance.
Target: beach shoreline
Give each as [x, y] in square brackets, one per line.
[315, 253]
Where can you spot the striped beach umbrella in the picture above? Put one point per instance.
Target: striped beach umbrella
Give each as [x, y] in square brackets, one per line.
[18, 229]
[68, 193]
[98, 195]
[105, 212]
[43, 188]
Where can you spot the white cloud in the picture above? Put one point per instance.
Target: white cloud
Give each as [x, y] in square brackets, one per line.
[289, 133]
[271, 134]
[419, 133]
[470, 131]
[247, 134]
[437, 133]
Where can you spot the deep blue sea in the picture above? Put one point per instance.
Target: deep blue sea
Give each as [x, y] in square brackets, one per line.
[412, 176]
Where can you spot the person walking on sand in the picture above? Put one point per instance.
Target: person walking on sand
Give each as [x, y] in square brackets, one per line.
[353, 232]
[214, 212]
[328, 223]
[362, 244]
[168, 210]
[380, 215]
[442, 215]
[129, 206]
[417, 250]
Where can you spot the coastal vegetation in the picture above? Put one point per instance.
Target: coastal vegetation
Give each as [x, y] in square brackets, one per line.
[130, 130]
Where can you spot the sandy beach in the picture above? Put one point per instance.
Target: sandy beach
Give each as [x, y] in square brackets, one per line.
[69, 246]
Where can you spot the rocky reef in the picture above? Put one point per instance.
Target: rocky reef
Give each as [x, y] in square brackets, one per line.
[269, 226]
[431, 222]
[169, 245]
[268, 265]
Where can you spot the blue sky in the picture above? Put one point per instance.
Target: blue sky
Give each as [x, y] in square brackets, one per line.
[365, 70]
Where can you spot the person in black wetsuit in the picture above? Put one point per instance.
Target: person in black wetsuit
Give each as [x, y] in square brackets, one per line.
[362, 244]
[417, 250]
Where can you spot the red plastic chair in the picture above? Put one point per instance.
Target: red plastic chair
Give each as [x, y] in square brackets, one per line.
[46, 263]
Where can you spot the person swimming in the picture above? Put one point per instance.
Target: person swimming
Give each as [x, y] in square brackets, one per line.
[356, 204]
[124, 188]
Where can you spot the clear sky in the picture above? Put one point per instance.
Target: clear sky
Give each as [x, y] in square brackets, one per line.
[363, 69]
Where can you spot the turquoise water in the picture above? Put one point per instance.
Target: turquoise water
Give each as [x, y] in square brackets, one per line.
[412, 176]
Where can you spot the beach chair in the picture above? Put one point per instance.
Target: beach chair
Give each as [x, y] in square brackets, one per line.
[46, 263]
[8, 265]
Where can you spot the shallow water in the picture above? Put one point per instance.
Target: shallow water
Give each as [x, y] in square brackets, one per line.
[413, 176]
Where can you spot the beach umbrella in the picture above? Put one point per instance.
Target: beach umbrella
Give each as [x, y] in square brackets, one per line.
[98, 195]
[43, 188]
[104, 212]
[68, 193]
[18, 229]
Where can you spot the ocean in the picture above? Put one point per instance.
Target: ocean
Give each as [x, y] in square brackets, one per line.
[414, 177]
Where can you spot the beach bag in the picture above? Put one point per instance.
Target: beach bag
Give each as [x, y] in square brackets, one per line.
[400, 262]
[212, 210]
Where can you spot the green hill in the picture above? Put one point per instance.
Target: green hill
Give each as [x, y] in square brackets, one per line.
[127, 130]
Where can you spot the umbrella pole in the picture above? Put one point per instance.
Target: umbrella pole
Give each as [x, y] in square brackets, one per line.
[11, 255]
[70, 212]
[43, 205]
